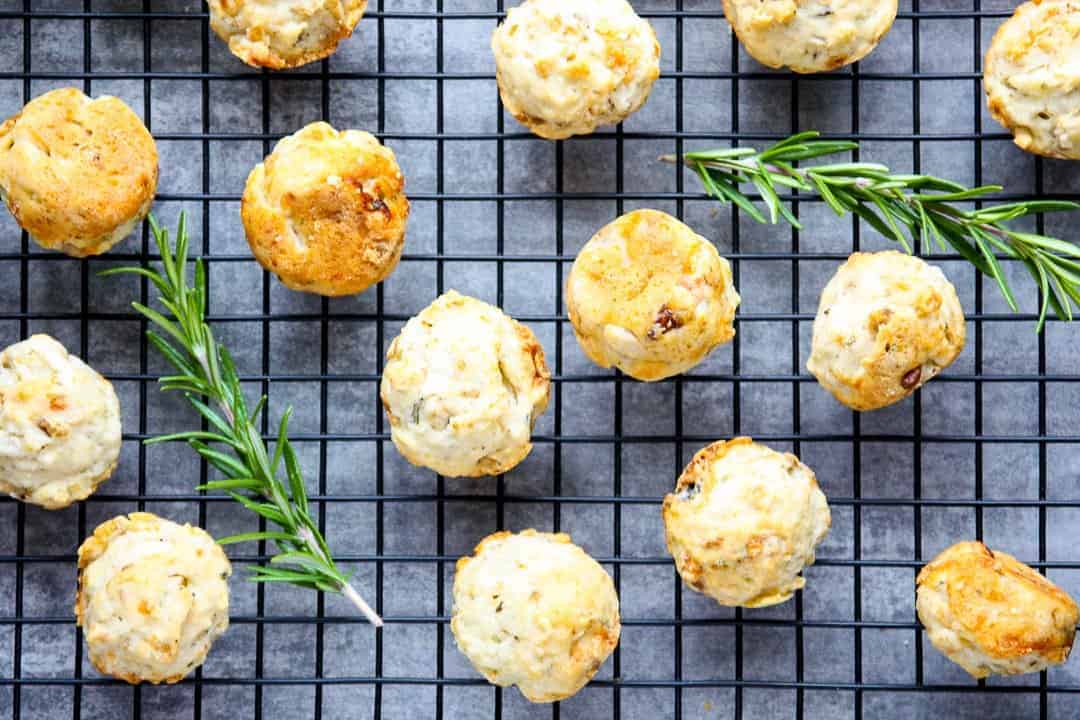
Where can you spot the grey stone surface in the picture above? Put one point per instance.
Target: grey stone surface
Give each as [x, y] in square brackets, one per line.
[905, 458]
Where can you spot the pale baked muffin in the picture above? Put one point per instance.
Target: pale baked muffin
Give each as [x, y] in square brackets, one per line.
[566, 67]
[650, 296]
[284, 33]
[153, 597]
[77, 174]
[59, 425]
[810, 36]
[743, 522]
[463, 386]
[1032, 79]
[534, 610]
[992, 614]
[887, 324]
[326, 211]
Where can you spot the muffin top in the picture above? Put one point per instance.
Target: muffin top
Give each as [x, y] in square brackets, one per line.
[1032, 80]
[887, 324]
[991, 614]
[463, 386]
[534, 610]
[810, 36]
[744, 521]
[282, 34]
[59, 424]
[153, 596]
[566, 67]
[650, 296]
[326, 211]
[77, 174]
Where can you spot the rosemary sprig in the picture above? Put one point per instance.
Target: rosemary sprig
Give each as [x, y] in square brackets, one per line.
[232, 443]
[899, 206]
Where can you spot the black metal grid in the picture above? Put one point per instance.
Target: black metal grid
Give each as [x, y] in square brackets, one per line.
[683, 440]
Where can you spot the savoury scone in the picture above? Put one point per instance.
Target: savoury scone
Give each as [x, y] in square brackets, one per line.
[463, 386]
[534, 610]
[991, 614]
[887, 324]
[810, 36]
[1032, 79]
[326, 211]
[566, 67]
[77, 174]
[650, 296]
[153, 597]
[284, 33]
[743, 522]
[59, 425]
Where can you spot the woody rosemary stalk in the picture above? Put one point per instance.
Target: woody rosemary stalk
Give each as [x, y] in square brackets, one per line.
[909, 209]
[232, 443]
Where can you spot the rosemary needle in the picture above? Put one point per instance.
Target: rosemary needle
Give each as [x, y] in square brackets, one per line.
[909, 209]
[232, 443]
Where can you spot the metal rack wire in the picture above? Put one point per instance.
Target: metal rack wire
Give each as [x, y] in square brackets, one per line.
[732, 688]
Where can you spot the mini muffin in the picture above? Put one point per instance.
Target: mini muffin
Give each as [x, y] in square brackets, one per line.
[463, 386]
[77, 174]
[566, 67]
[1032, 80]
[153, 597]
[534, 610]
[743, 522]
[59, 425]
[810, 36]
[991, 614]
[650, 296]
[887, 324]
[326, 211]
[284, 33]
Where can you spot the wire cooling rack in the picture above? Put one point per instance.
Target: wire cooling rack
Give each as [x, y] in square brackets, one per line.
[985, 451]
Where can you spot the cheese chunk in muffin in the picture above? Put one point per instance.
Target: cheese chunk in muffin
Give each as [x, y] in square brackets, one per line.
[282, 34]
[534, 610]
[153, 597]
[743, 523]
[650, 296]
[566, 67]
[1032, 77]
[993, 615]
[59, 425]
[463, 386]
[78, 174]
[810, 36]
[326, 211]
[887, 324]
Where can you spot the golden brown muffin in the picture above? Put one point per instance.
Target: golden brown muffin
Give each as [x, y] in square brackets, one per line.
[810, 36]
[534, 610]
[887, 324]
[77, 174]
[650, 296]
[1032, 80]
[743, 523]
[463, 386]
[153, 597]
[284, 33]
[326, 211]
[991, 614]
[566, 67]
[59, 425]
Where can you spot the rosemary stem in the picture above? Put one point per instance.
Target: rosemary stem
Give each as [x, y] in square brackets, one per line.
[346, 589]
